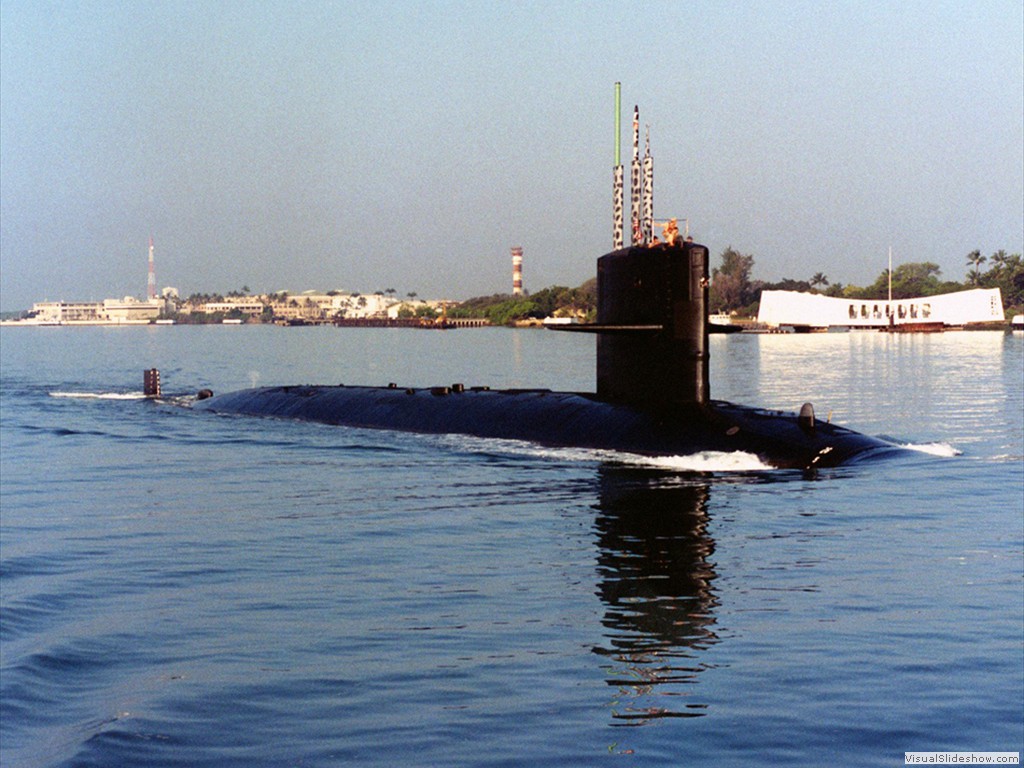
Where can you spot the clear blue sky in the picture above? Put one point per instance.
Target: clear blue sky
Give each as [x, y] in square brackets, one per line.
[407, 145]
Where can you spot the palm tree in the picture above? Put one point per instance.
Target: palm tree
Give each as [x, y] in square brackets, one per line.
[818, 279]
[975, 260]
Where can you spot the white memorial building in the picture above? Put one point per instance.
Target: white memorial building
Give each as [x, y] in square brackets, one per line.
[812, 310]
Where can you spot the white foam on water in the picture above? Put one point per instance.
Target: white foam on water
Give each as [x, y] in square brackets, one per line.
[100, 395]
[702, 461]
[710, 461]
[933, 449]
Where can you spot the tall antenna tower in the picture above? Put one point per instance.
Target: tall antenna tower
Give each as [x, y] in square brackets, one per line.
[151, 282]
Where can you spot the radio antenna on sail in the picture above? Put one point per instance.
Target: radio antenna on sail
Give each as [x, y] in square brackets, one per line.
[634, 198]
[647, 225]
[617, 173]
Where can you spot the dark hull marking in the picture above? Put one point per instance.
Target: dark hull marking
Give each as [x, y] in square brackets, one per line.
[563, 419]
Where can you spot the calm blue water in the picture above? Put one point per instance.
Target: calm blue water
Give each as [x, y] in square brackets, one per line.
[187, 589]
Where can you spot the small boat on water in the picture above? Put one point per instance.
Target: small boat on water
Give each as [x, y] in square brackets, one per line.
[721, 322]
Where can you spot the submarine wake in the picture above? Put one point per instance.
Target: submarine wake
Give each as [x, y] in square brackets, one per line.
[99, 395]
[700, 462]
[933, 449]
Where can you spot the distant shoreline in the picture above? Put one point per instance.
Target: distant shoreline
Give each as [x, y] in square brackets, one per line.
[1001, 327]
[37, 324]
[368, 322]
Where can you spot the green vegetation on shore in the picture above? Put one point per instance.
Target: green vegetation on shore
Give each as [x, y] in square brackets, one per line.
[556, 301]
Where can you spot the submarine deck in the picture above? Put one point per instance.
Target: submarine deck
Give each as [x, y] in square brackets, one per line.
[562, 419]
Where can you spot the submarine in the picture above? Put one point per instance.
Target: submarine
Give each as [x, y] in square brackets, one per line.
[652, 396]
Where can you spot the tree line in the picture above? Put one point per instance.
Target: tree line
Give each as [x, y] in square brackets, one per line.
[558, 300]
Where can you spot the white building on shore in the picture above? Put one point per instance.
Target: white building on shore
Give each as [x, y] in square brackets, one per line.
[812, 310]
[126, 311]
[244, 305]
[314, 306]
[309, 306]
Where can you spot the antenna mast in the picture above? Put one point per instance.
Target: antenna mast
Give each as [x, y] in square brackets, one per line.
[617, 173]
[647, 226]
[634, 198]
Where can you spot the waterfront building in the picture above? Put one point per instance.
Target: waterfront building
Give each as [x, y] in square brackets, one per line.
[246, 306]
[126, 311]
[812, 310]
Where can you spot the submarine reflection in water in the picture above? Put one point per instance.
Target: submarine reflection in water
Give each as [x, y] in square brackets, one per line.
[655, 576]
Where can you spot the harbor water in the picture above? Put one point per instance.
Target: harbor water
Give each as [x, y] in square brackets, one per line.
[185, 589]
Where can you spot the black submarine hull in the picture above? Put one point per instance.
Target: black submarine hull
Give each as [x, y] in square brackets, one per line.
[564, 419]
[652, 397]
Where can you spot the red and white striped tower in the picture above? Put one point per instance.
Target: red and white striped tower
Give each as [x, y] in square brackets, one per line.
[151, 283]
[517, 271]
